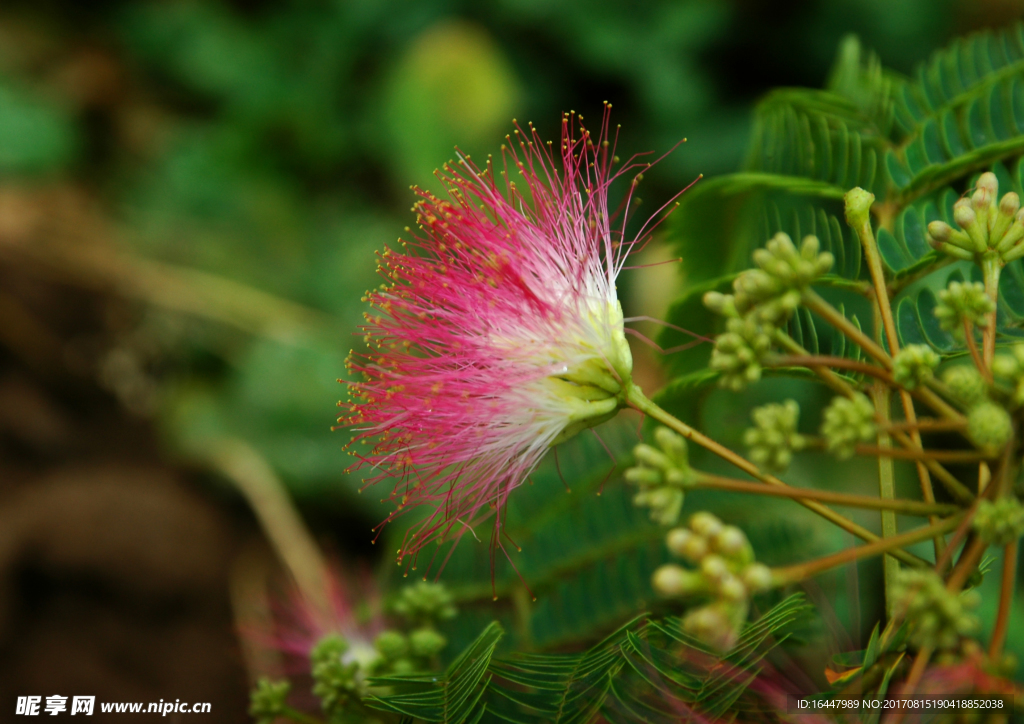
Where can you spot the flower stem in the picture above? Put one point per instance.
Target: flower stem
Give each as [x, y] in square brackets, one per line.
[831, 315]
[887, 489]
[802, 571]
[1008, 583]
[991, 266]
[836, 362]
[953, 486]
[635, 397]
[819, 368]
[972, 347]
[949, 456]
[276, 513]
[966, 565]
[905, 507]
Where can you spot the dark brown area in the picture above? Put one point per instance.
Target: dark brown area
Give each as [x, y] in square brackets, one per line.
[114, 563]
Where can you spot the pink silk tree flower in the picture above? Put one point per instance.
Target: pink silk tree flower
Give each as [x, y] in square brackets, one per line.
[499, 333]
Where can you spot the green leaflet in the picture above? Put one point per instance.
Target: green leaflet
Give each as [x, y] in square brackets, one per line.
[647, 670]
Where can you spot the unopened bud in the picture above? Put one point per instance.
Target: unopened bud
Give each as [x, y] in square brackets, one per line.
[714, 567]
[673, 580]
[989, 183]
[676, 541]
[940, 231]
[732, 588]
[964, 215]
[730, 541]
[705, 524]
[757, 577]
[694, 549]
[1008, 205]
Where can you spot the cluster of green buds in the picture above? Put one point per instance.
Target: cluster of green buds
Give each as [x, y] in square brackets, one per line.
[269, 701]
[938, 617]
[989, 425]
[962, 303]
[738, 353]
[846, 422]
[774, 439]
[338, 677]
[914, 365]
[724, 571]
[1001, 522]
[421, 606]
[1011, 367]
[662, 475]
[763, 300]
[987, 228]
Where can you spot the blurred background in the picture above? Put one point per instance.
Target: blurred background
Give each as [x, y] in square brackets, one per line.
[190, 197]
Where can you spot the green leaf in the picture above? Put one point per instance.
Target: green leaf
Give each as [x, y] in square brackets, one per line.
[451, 698]
[646, 670]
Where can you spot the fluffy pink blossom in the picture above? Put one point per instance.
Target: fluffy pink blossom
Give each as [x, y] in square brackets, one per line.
[499, 333]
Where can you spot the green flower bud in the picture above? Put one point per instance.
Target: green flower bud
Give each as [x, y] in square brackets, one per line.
[391, 645]
[965, 384]
[984, 225]
[267, 701]
[937, 617]
[705, 524]
[718, 624]
[731, 588]
[774, 439]
[738, 353]
[335, 682]
[678, 540]
[662, 476]
[914, 365]
[673, 445]
[403, 666]
[731, 542]
[757, 577]
[723, 304]
[1011, 367]
[713, 567]
[989, 426]
[962, 301]
[424, 602]
[769, 295]
[1001, 522]
[675, 581]
[426, 642]
[666, 503]
[848, 421]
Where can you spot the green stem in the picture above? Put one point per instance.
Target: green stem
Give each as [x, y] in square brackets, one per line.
[831, 315]
[802, 571]
[634, 396]
[886, 491]
[904, 507]
[991, 266]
